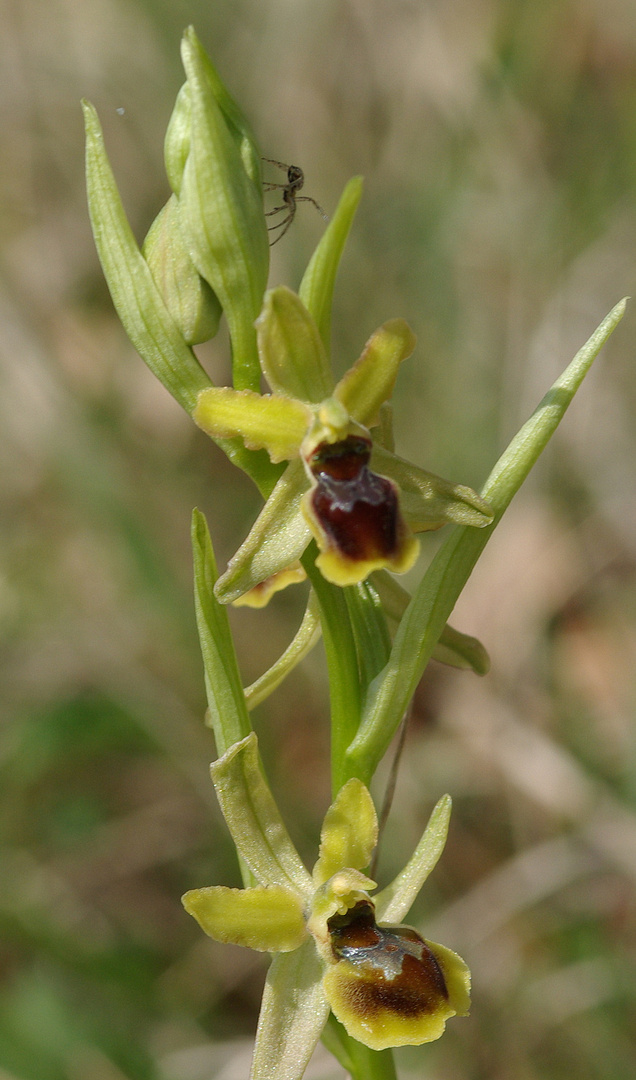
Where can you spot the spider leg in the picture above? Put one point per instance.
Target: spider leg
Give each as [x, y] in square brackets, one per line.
[277, 210]
[270, 187]
[280, 164]
[283, 226]
[307, 198]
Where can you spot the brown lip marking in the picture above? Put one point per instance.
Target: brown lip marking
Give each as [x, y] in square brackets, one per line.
[393, 969]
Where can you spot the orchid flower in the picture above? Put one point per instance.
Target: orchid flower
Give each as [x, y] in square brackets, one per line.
[386, 984]
[360, 501]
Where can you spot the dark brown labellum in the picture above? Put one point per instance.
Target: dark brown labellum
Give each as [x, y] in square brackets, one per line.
[357, 509]
[397, 971]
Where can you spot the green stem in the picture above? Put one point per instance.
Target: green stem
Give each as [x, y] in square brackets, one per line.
[342, 664]
[360, 1062]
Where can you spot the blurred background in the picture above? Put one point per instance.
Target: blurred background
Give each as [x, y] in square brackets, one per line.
[498, 143]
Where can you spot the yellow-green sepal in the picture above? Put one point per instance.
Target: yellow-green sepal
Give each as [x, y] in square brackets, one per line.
[293, 1013]
[266, 919]
[263, 421]
[427, 500]
[254, 820]
[369, 383]
[291, 352]
[349, 832]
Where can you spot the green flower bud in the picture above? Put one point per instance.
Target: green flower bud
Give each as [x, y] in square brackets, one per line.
[213, 164]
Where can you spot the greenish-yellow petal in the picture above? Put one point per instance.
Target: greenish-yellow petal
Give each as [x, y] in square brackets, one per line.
[272, 422]
[394, 902]
[349, 832]
[369, 383]
[267, 919]
[292, 356]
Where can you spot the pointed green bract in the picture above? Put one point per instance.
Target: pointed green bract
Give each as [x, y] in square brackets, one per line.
[270, 421]
[227, 707]
[177, 141]
[349, 832]
[369, 383]
[437, 593]
[253, 818]
[292, 355]
[137, 299]
[269, 920]
[454, 648]
[316, 289]
[395, 901]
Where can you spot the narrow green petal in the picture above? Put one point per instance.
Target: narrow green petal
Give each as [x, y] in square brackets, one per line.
[272, 422]
[393, 903]
[292, 355]
[137, 300]
[276, 540]
[270, 920]
[428, 501]
[369, 383]
[226, 701]
[304, 640]
[316, 289]
[349, 832]
[254, 820]
[294, 1011]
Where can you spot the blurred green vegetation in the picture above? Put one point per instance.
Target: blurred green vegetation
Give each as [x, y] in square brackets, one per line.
[498, 142]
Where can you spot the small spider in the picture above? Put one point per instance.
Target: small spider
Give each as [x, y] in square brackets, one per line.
[295, 180]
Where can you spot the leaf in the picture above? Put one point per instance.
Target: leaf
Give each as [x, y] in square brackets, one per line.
[437, 593]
